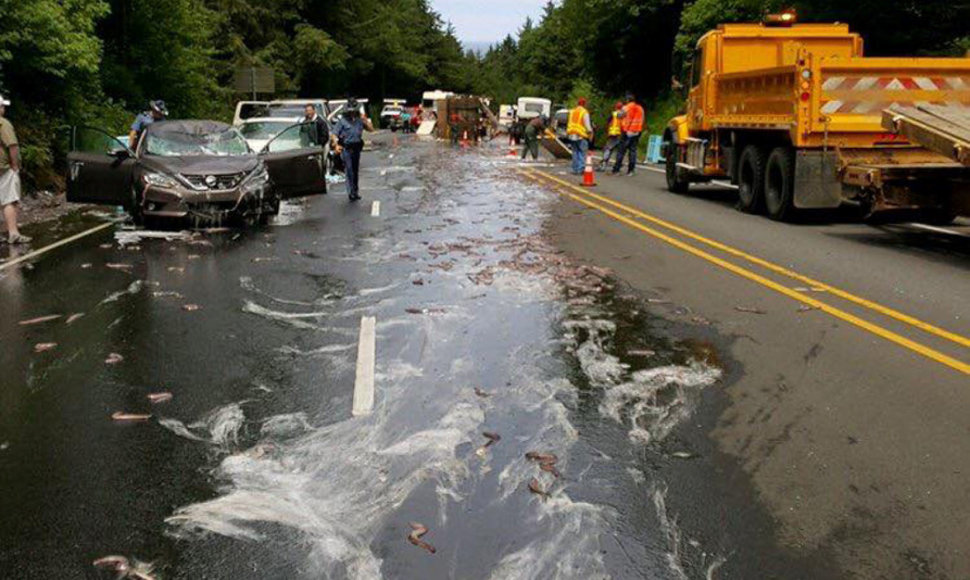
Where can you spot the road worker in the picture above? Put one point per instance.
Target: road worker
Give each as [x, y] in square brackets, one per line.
[533, 130]
[614, 134]
[580, 134]
[631, 125]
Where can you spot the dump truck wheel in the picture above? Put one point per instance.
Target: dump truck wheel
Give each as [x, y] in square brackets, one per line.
[677, 180]
[751, 180]
[939, 217]
[780, 184]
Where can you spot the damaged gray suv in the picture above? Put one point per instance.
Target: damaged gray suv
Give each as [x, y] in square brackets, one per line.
[200, 171]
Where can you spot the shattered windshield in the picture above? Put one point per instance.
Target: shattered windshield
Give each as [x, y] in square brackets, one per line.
[184, 144]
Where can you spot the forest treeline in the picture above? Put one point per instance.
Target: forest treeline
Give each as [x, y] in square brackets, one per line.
[99, 61]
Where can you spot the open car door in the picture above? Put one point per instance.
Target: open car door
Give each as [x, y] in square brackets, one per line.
[297, 165]
[99, 168]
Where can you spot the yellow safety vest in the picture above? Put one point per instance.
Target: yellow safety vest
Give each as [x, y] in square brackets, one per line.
[576, 125]
[615, 129]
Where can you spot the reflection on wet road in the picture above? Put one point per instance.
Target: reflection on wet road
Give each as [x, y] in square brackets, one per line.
[491, 345]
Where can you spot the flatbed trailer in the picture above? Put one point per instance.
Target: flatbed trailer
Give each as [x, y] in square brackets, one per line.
[943, 129]
[793, 115]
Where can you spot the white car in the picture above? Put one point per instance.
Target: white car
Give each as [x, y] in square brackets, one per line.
[258, 131]
[391, 117]
[280, 108]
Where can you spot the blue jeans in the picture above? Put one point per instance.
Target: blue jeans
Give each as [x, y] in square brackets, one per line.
[351, 157]
[629, 146]
[579, 147]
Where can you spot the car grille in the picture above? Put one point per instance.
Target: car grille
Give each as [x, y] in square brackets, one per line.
[222, 182]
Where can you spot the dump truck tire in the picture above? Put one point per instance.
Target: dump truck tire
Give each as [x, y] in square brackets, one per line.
[751, 180]
[677, 180]
[780, 184]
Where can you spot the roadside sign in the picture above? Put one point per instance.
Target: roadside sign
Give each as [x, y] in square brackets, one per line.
[254, 80]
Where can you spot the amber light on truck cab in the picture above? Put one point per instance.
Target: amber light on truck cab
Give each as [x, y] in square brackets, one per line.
[786, 18]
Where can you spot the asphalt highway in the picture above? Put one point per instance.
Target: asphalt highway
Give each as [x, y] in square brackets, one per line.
[614, 382]
[848, 399]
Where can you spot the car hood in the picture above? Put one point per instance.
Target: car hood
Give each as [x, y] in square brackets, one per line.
[201, 164]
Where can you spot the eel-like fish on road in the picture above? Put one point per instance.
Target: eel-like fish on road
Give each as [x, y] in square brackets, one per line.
[417, 531]
[536, 488]
[547, 461]
[130, 417]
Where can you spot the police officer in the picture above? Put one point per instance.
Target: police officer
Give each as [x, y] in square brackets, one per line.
[156, 112]
[348, 140]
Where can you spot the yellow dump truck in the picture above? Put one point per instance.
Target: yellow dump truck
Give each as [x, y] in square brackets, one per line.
[793, 114]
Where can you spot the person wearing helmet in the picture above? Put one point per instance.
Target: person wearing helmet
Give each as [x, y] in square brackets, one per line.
[347, 140]
[156, 112]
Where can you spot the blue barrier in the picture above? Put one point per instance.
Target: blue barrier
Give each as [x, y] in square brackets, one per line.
[654, 149]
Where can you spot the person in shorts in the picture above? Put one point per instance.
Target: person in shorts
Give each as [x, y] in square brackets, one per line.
[9, 175]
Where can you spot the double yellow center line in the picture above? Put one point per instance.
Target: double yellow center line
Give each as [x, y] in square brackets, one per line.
[630, 216]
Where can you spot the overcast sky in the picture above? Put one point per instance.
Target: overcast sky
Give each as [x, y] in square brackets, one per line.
[480, 21]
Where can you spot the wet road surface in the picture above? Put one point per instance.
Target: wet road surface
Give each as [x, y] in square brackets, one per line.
[690, 439]
[255, 468]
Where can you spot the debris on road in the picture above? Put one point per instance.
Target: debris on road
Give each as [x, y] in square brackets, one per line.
[113, 359]
[749, 310]
[424, 310]
[39, 319]
[132, 237]
[73, 317]
[44, 346]
[166, 294]
[124, 569]
[481, 393]
[682, 455]
[156, 398]
[417, 532]
[641, 352]
[547, 461]
[492, 438]
[191, 307]
[129, 417]
[536, 488]
[808, 308]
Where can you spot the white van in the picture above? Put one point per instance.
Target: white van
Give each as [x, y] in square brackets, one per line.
[531, 107]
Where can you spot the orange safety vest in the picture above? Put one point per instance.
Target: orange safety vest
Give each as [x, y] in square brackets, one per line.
[576, 125]
[615, 129]
[633, 121]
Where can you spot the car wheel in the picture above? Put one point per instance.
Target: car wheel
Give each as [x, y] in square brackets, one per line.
[677, 180]
[780, 184]
[751, 180]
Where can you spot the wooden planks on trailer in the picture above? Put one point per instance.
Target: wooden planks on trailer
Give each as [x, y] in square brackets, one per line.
[553, 145]
[944, 129]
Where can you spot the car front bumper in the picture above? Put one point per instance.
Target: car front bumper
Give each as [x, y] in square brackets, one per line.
[179, 202]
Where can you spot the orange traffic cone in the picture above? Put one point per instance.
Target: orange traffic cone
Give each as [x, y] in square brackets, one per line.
[588, 172]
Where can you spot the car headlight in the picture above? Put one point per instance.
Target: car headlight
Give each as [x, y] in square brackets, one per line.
[160, 180]
[256, 181]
